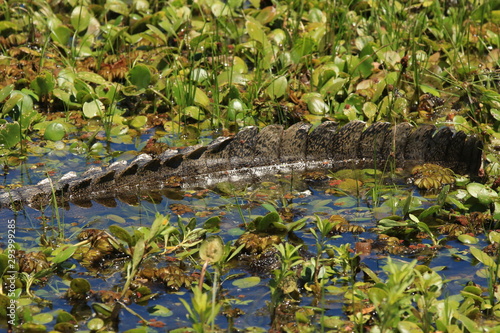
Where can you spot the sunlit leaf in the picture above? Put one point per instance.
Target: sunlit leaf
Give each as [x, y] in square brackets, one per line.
[247, 282]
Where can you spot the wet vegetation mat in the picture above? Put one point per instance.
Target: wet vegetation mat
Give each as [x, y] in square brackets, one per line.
[90, 83]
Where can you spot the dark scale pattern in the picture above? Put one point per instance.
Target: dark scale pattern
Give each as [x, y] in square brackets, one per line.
[253, 153]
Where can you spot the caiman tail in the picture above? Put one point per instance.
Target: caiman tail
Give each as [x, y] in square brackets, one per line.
[255, 152]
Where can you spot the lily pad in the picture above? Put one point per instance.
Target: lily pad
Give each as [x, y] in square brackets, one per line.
[247, 282]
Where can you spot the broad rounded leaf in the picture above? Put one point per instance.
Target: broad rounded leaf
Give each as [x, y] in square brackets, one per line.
[140, 76]
[247, 282]
[10, 134]
[277, 88]
[54, 132]
[467, 239]
[409, 327]
[43, 318]
[80, 286]
[160, 310]
[80, 18]
[255, 31]
[212, 249]
[93, 109]
[121, 233]
[95, 324]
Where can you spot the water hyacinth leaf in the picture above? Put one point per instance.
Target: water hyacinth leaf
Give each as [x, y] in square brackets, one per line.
[212, 249]
[409, 327]
[117, 6]
[201, 99]
[332, 86]
[61, 34]
[302, 47]
[265, 222]
[80, 286]
[212, 224]
[193, 112]
[140, 76]
[5, 92]
[277, 88]
[255, 31]
[247, 282]
[91, 77]
[95, 324]
[121, 234]
[62, 253]
[317, 106]
[160, 311]
[494, 237]
[93, 109]
[157, 32]
[138, 121]
[370, 110]
[467, 239]
[484, 194]
[15, 97]
[235, 108]
[80, 18]
[482, 257]
[54, 131]
[10, 133]
[43, 318]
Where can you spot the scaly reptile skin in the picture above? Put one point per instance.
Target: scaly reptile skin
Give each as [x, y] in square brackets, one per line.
[255, 152]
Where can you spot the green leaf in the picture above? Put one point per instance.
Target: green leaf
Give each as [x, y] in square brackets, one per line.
[256, 33]
[43, 318]
[264, 223]
[63, 253]
[408, 327]
[117, 6]
[15, 97]
[201, 99]
[157, 32]
[121, 234]
[80, 285]
[54, 131]
[43, 84]
[160, 311]
[482, 257]
[194, 112]
[140, 76]
[5, 92]
[139, 121]
[138, 253]
[80, 18]
[61, 34]
[467, 239]
[95, 324]
[10, 134]
[91, 77]
[247, 282]
[212, 249]
[277, 88]
[93, 109]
